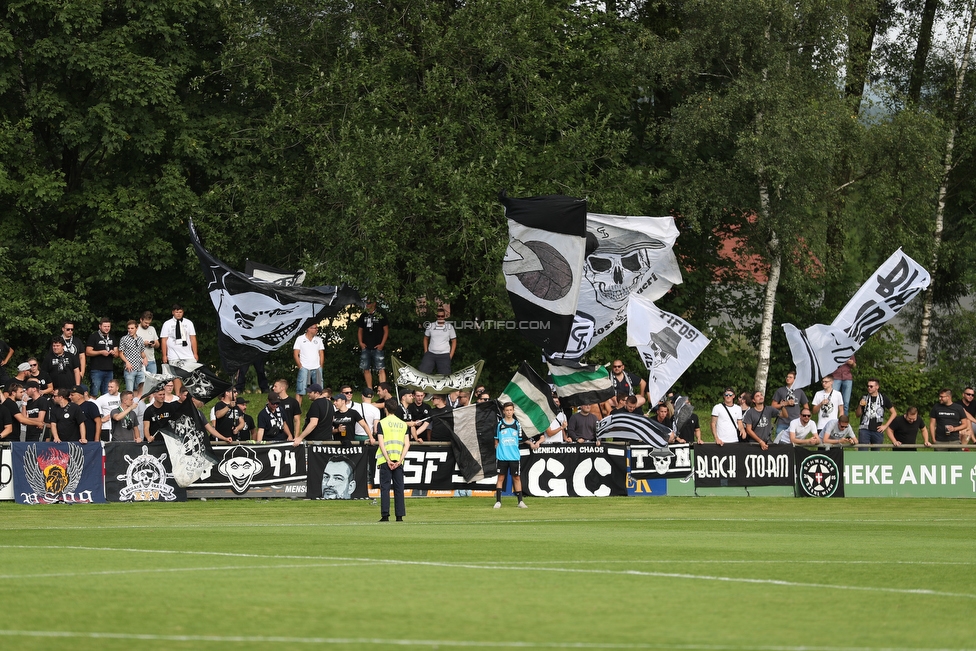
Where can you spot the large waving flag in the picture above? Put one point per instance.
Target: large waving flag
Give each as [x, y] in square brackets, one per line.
[257, 316]
[188, 444]
[543, 265]
[532, 398]
[820, 349]
[624, 256]
[578, 384]
[472, 432]
[407, 377]
[635, 427]
[667, 343]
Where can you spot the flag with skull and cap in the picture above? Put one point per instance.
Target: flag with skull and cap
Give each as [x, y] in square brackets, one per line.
[624, 256]
[667, 343]
[258, 316]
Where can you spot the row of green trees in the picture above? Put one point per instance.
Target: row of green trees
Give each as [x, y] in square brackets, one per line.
[366, 142]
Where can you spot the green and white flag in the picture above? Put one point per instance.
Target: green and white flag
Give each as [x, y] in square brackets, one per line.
[532, 398]
[579, 384]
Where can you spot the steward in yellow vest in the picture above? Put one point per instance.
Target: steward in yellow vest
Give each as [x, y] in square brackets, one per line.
[392, 434]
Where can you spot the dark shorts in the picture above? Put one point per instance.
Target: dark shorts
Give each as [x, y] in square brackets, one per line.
[505, 467]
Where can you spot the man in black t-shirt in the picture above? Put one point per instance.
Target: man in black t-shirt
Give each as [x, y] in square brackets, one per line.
[62, 366]
[374, 330]
[37, 374]
[157, 415]
[101, 351]
[6, 352]
[291, 409]
[904, 431]
[318, 420]
[627, 383]
[272, 425]
[344, 420]
[418, 413]
[246, 434]
[228, 418]
[93, 415]
[37, 408]
[947, 419]
[74, 345]
[67, 419]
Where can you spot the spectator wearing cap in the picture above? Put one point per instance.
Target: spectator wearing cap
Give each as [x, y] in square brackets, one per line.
[93, 415]
[246, 434]
[23, 370]
[228, 417]
[272, 426]
[67, 419]
[156, 415]
[346, 418]
[318, 420]
[371, 415]
[309, 352]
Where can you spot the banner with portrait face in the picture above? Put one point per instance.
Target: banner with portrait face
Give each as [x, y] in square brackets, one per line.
[339, 472]
[140, 472]
[257, 470]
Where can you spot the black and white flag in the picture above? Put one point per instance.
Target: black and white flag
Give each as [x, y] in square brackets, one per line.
[625, 256]
[820, 349]
[667, 344]
[188, 444]
[274, 275]
[198, 380]
[472, 433]
[635, 427]
[407, 377]
[257, 316]
[543, 265]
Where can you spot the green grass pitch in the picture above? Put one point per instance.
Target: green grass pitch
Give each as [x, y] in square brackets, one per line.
[626, 573]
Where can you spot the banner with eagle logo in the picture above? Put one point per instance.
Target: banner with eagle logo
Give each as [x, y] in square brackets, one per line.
[49, 473]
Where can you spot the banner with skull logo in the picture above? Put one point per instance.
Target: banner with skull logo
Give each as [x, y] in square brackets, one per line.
[624, 256]
[667, 343]
[257, 316]
[820, 349]
[543, 265]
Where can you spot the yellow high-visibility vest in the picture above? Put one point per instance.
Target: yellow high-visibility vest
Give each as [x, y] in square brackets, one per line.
[394, 437]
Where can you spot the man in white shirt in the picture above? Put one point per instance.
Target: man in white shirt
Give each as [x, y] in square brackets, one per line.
[178, 339]
[727, 420]
[440, 342]
[839, 432]
[106, 403]
[802, 431]
[309, 354]
[557, 428]
[828, 403]
[371, 415]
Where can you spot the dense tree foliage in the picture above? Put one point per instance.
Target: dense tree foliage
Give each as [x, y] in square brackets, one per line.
[366, 142]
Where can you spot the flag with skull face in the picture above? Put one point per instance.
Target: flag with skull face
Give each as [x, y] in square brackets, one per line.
[667, 343]
[624, 256]
[188, 444]
[257, 316]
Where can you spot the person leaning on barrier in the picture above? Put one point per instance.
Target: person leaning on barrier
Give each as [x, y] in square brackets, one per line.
[758, 421]
[582, 426]
[727, 420]
[839, 431]
[904, 430]
[803, 431]
[557, 428]
[948, 419]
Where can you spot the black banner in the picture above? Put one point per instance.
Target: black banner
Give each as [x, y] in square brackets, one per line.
[574, 471]
[743, 464]
[140, 472]
[820, 473]
[259, 470]
[646, 466]
[339, 473]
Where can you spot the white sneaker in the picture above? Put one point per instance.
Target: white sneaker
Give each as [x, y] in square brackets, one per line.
[498, 505]
[523, 505]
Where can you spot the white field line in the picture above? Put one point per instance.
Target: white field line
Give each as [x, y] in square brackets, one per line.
[151, 570]
[454, 523]
[518, 568]
[487, 644]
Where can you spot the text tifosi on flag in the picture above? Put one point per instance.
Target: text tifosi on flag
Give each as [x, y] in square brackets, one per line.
[543, 265]
[532, 398]
[407, 377]
[579, 384]
[256, 316]
[624, 256]
[667, 344]
[820, 349]
[472, 433]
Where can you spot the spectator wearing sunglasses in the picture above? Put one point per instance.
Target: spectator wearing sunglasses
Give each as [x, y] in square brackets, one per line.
[727, 420]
